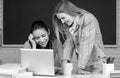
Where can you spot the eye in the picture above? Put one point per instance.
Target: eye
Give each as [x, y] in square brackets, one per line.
[62, 17]
[67, 21]
[36, 38]
[44, 35]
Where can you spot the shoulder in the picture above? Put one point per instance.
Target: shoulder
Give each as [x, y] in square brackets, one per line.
[55, 42]
[27, 44]
[88, 18]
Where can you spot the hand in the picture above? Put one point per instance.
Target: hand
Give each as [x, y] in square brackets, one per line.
[83, 72]
[71, 30]
[65, 61]
[32, 41]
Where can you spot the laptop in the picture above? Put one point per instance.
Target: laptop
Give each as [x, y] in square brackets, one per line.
[38, 61]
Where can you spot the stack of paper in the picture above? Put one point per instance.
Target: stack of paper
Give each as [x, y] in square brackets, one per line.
[115, 74]
[21, 75]
[11, 69]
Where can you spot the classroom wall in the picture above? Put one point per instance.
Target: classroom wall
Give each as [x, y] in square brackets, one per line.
[10, 54]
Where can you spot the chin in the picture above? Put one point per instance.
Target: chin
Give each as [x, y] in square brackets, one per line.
[43, 45]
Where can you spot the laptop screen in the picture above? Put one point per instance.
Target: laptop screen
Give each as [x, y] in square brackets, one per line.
[39, 61]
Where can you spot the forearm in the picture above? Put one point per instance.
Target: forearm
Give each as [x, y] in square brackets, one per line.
[68, 50]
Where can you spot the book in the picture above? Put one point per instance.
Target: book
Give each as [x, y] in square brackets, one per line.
[115, 74]
[11, 69]
[20, 75]
[5, 76]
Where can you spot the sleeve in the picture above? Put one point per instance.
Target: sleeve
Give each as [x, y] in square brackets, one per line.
[68, 49]
[87, 39]
[58, 51]
[89, 28]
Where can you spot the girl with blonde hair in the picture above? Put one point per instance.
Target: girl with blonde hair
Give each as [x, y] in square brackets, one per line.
[78, 30]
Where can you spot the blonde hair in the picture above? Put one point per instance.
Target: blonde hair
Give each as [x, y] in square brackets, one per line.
[64, 6]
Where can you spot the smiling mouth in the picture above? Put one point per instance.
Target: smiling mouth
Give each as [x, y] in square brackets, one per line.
[71, 24]
[43, 43]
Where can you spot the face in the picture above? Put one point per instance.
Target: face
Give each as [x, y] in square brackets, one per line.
[65, 18]
[41, 36]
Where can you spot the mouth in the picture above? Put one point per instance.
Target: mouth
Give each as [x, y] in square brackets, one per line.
[71, 24]
[43, 43]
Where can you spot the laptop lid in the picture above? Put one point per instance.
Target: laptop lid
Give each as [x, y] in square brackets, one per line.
[39, 61]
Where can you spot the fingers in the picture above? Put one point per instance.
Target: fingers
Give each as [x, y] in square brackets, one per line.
[32, 41]
[83, 72]
[30, 37]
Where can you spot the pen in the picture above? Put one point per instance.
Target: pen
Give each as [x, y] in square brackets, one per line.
[108, 60]
[112, 60]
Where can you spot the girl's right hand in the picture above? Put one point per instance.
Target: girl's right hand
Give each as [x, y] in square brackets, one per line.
[32, 41]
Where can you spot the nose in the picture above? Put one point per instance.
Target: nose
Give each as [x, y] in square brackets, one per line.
[40, 40]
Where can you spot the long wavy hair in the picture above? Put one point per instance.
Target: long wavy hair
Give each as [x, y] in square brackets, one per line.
[64, 6]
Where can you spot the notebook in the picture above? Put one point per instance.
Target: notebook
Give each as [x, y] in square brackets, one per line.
[38, 61]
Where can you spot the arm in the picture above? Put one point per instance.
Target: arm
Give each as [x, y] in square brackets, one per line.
[68, 50]
[27, 44]
[87, 39]
[58, 51]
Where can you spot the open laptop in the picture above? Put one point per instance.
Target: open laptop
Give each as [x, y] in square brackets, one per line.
[38, 61]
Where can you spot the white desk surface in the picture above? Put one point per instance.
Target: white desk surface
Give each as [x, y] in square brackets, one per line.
[72, 76]
[63, 76]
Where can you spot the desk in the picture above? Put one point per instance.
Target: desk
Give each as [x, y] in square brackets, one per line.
[63, 76]
[92, 75]
[73, 76]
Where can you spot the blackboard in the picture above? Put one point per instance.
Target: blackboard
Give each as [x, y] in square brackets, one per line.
[19, 14]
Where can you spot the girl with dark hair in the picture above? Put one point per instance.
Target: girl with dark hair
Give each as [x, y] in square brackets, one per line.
[39, 39]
